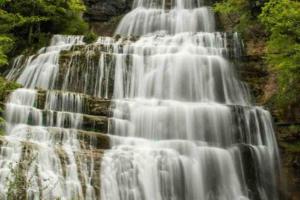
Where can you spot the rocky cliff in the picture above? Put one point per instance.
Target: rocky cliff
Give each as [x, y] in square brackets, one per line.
[104, 15]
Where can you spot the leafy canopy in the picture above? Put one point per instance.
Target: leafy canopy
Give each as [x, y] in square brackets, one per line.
[30, 23]
[282, 20]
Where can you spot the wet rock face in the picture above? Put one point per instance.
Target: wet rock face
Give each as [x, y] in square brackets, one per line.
[104, 10]
[105, 15]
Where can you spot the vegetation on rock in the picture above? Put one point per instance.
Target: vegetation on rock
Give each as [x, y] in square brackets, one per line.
[21, 179]
[5, 87]
[278, 23]
[281, 19]
[90, 37]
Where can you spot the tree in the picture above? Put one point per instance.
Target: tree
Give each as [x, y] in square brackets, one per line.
[30, 23]
[6, 44]
[281, 19]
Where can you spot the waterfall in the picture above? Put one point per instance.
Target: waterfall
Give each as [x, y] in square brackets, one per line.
[40, 136]
[183, 125]
[155, 113]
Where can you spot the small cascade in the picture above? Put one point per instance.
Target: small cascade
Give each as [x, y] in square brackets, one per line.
[91, 75]
[155, 113]
[46, 138]
[150, 16]
[41, 71]
[178, 67]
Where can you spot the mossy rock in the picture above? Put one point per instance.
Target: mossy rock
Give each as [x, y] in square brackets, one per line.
[90, 37]
[2, 126]
[289, 138]
[6, 87]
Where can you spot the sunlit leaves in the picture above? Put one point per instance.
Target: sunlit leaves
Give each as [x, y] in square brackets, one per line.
[282, 20]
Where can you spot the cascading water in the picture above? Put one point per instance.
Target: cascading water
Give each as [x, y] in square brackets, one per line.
[47, 177]
[182, 128]
[183, 124]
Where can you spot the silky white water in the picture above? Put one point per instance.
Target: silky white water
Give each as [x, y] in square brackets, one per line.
[43, 131]
[183, 126]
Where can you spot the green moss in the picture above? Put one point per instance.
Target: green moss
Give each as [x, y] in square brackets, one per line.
[289, 138]
[2, 126]
[294, 129]
[7, 86]
[291, 147]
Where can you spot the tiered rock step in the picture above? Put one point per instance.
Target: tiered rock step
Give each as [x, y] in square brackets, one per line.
[235, 108]
[89, 122]
[80, 72]
[91, 105]
[88, 140]
[92, 138]
[95, 112]
[80, 69]
[246, 123]
[117, 42]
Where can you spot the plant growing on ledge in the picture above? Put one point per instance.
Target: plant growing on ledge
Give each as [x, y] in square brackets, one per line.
[90, 37]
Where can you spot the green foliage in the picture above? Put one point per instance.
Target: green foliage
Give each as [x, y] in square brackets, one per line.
[21, 179]
[235, 10]
[282, 20]
[6, 44]
[30, 23]
[289, 138]
[5, 87]
[90, 37]
[241, 14]
[2, 126]
[291, 147]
